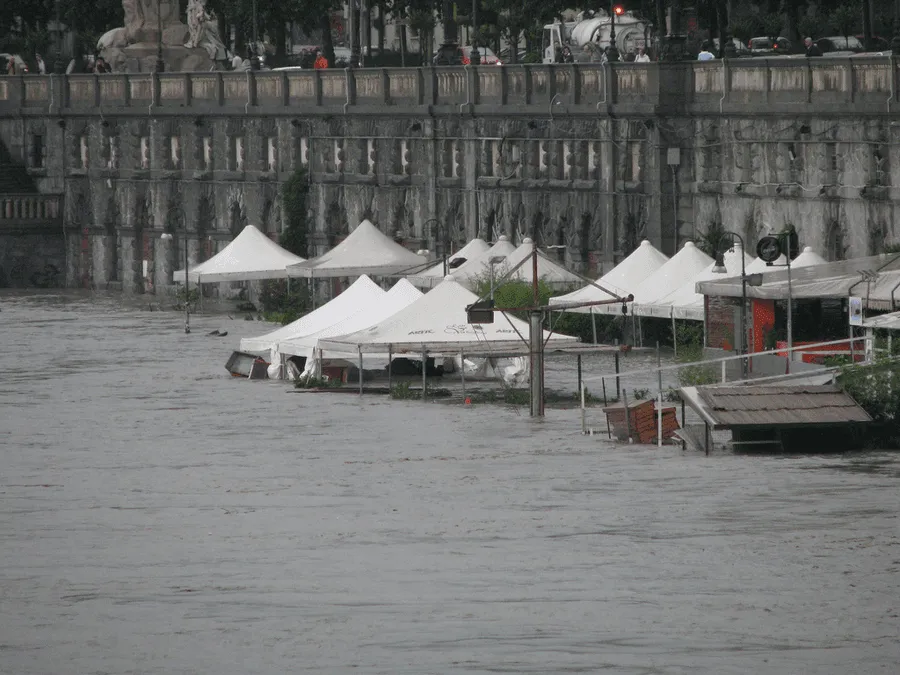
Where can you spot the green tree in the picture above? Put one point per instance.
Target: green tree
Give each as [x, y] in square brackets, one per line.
[844, 20]
[772, 24]
[295, 200]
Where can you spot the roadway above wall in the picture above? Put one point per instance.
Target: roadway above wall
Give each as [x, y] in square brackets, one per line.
[744, 87]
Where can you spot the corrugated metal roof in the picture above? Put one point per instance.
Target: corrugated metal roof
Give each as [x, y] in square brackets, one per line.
[780, 405]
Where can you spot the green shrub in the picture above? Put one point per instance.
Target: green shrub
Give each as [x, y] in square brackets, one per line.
[876, 388]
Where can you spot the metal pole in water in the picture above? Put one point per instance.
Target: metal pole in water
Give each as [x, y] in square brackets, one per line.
[424, 369]
[187, 287]
[536, 337]
[790, 313]
[462, 372]
[659, 421]
[659, 412]
[627, 415]
[579, 371]
[390, 368]
[618, 391]
[583, 413]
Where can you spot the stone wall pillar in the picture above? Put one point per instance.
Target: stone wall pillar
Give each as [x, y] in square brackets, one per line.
[101, 260]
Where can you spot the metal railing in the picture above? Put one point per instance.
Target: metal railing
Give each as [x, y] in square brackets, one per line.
[867, 350]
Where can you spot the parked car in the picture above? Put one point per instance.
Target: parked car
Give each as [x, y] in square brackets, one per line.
[764, 46]
[740, 49]
[488, 57]
[879, 44]
[839, 43]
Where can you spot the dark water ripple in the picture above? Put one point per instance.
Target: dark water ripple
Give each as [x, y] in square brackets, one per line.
[157, 516]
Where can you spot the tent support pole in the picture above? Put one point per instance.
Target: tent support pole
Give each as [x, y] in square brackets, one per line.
[462, 372]
[424, 371]
[594, 324]
[579, 372]
[674, 335]
[360, 371]
[390, 370]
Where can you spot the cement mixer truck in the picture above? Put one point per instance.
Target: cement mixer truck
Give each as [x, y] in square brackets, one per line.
[572, 36]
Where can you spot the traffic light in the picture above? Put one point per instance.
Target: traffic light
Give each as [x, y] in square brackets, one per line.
[618, 10]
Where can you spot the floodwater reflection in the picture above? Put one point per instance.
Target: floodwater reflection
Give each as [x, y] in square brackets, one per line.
[158, 516]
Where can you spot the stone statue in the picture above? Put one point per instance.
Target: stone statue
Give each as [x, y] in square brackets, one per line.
[203, 30]
[134, 47]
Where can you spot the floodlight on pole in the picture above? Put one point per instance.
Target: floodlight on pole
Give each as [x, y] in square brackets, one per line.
[719, 268]
[613, 53]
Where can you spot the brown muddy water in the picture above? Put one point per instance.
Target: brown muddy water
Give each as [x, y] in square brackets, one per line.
[157, 516]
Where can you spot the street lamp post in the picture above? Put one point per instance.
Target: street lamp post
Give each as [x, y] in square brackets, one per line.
[168, 236]
[440, 229]
[475, 56]
[160, 64]
[895, 42]
[720, 269]
[254, 56]
[613, 54]
[58, 66]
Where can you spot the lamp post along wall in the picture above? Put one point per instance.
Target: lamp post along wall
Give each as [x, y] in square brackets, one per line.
[613, 52]
[475, 57]
[720, 269]
[160, 64]
[895, 42]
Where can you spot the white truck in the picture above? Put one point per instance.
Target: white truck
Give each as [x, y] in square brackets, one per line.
[631, 34]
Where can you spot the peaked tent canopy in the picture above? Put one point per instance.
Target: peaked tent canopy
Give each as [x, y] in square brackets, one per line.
[400, 296]
[366, 250]
[250, 256]
[471, 272]
[549, 271]
[684, 265]
[808, 258]
[623, 279]
[758, 265]
[685, 302]
[437, 324]
[435, 274]
[362, 293]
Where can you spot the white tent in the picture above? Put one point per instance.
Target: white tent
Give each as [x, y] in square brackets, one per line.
[472, 271]
[362, 293]
[435, 274]
[684, 265]
[437, 324]
[807, 258]
[685, 302]
[623, 279]
[250, 256]
[550, 272]
[399, 297]
[366, 250]
[758, 265]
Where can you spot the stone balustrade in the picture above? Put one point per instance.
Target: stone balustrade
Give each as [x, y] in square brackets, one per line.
[738, 85]
[27, 212]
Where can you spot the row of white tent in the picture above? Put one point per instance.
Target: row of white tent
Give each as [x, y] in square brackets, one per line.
[666, 287]
[367, 250]
[366, 320]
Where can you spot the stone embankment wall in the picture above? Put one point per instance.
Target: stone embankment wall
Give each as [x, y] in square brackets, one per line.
[590, 158]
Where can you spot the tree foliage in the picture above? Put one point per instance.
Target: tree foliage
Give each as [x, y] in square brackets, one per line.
[295, 199]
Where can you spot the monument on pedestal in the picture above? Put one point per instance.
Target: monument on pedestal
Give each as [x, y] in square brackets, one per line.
[134, 47]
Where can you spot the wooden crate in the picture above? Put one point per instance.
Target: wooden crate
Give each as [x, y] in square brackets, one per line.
[639, 421]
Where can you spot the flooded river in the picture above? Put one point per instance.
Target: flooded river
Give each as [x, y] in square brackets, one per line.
[157, 516]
